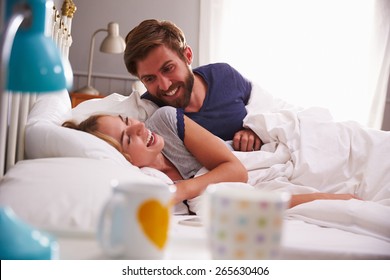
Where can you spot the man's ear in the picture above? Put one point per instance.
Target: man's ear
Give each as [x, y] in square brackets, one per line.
[188, 55]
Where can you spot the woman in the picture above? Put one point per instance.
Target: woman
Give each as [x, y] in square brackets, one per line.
[174, 144]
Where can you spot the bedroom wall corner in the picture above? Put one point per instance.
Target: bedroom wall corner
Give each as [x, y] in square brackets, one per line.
[386, 115]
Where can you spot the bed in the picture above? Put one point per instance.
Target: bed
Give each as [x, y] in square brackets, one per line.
[58, 179]
[69, 172]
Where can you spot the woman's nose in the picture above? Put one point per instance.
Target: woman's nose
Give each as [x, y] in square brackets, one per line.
[136, 127]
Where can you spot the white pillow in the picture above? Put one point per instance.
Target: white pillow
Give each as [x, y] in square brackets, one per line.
[115, 104]
[64, 193]
[45, 140]
[51, 107]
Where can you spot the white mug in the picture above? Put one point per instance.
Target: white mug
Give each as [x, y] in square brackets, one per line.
[134, 223]
[243, 222]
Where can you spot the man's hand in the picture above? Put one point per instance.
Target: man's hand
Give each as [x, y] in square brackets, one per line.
[246, 141]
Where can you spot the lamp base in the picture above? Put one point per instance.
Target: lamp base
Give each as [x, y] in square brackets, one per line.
[88, 90]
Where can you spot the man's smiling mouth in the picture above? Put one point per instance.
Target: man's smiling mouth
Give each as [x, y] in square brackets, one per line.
[171, 92]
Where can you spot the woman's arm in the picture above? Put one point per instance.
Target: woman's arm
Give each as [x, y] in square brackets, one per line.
[213, 154]
[303, 198]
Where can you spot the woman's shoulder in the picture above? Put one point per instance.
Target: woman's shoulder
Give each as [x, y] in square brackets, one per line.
[166, 110]
[166, 114]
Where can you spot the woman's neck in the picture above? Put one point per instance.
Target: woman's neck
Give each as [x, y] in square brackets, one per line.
[166, 166]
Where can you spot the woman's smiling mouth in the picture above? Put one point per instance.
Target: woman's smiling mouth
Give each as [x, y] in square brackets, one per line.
[150, 139]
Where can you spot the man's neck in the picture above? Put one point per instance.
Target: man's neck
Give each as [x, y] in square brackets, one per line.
[198, 95]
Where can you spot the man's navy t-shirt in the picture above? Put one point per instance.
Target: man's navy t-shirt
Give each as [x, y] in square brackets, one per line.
[223, 109]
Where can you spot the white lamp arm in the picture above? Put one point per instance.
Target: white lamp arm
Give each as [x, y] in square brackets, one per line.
[91, 48]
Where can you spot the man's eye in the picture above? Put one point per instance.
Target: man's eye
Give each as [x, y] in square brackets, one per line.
[168, 68]
[147, 80]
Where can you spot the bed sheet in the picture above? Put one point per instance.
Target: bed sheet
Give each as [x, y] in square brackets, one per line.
[313, 153]
[305, 151]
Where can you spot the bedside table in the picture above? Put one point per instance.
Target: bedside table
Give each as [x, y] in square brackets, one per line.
[76, 97]
[185, 243]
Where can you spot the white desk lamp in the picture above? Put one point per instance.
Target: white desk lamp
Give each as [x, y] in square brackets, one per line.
[113, 43]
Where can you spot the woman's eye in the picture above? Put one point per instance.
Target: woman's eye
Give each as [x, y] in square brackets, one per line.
[125, 142]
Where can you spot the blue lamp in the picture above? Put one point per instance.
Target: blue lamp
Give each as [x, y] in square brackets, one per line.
[30, 63]
[21, 241]
[35, 63]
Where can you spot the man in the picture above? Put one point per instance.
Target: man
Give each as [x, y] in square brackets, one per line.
[213, 95]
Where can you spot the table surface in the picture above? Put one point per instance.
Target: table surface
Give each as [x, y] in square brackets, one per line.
[185, 242]
[300, 241]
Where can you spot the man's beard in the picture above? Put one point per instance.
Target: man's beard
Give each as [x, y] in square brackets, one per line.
[187, 85]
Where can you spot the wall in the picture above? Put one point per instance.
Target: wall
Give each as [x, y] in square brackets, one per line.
[384, 7]
[386, 116]
[109, 72]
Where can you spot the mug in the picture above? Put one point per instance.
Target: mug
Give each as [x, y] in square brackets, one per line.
[134, 223]
[244, 222]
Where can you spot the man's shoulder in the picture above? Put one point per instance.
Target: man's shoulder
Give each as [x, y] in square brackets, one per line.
[212, 67]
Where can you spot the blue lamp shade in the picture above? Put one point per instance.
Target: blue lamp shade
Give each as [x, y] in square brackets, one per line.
[36, 64]
[21, 241]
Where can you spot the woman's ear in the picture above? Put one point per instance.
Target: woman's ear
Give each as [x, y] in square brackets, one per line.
[188, 55]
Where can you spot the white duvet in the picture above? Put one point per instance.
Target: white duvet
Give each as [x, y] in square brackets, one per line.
[306, 151]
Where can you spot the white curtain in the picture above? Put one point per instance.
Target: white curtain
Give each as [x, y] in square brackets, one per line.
[328, 53]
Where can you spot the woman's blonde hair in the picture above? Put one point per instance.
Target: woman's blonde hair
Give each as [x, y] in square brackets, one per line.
[148, 35]
[91, 126]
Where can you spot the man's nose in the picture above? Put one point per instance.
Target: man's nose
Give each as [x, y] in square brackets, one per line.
[164, 83]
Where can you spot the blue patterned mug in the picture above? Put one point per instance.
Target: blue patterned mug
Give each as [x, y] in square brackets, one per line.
[243, 222]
